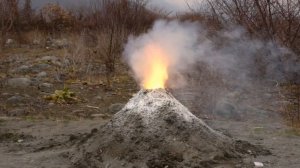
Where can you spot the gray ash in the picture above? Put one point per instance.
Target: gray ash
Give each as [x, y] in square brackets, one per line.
[155, 130]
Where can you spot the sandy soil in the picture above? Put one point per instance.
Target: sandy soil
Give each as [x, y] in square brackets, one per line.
[39, 143]
[28, 144]
[282, 141]
[38, 133]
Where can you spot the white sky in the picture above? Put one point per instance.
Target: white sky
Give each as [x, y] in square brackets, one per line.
[170, 5]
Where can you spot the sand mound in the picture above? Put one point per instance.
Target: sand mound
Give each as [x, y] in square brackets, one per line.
[154, 130]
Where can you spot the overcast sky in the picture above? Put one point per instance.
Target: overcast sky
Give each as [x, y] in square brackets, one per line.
[169, 5]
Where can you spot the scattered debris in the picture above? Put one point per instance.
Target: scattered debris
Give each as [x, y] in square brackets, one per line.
[258, 164]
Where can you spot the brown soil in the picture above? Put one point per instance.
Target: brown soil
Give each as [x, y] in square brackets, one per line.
[39, 133]
[47, 143]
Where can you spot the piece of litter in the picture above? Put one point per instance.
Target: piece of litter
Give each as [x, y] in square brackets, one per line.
[258, 164]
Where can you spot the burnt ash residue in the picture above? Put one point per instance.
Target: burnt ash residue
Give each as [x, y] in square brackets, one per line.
[155, 130]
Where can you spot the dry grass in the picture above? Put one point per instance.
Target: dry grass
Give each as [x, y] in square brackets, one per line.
[34, 37]
[291, 106]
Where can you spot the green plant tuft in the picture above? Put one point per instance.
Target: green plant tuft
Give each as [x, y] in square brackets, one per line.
[63, 96]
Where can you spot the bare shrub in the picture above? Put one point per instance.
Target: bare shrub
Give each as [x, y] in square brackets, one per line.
[56, 18]
[272, 19]
[77, 55]
[129, 16]
[8, 18]
[104, 29]
[110, 48]
[27, 14]
[114, 21]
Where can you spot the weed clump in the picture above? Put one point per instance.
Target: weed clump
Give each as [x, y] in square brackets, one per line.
[65, 96]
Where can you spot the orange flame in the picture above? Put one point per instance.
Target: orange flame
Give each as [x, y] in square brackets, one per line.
[155, 68]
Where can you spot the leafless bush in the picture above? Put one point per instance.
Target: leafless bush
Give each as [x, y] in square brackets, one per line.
[131, 16]
[8, 18]
[27, 14]
[104, 27]
[114, 21]
[272, 19]
[56, 18]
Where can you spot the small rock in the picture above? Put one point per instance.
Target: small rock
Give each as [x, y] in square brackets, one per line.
[26, 95]
[20, 140]
[226, 110]
[22, 69]
[80, 113]
[114, 108]
[98, 115]
[268, 95]
[258, 164]
[51, 104]
[50, 59]
[19, 82]
[57, 63]
[9, 41]
[17, 113]
[5, 94]
[2, 75]
[36, 42]
[15, 100]
[40, 67]
[46, 87]
[99, 98]
[60, 77]
[66, 62]
[59, 43]
[41, 75]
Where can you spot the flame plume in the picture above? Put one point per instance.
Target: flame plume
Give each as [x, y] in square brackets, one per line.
[152, 67]
[161, 54]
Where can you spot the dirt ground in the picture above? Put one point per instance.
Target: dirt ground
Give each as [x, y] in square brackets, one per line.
[29, 144]
[35, 132]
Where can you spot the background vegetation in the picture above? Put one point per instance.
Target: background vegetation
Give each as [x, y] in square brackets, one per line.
[97, 33]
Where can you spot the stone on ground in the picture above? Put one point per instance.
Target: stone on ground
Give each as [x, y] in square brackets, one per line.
[19, 82]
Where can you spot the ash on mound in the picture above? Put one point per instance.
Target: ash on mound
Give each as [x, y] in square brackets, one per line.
[154, 130]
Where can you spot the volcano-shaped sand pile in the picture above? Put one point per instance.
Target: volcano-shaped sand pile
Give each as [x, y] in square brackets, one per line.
[154, 130]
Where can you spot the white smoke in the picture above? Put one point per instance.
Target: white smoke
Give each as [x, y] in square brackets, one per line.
[177, 41]
[208, 66]
[229, 52]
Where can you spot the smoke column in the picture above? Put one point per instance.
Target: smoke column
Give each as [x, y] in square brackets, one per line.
[182, 45]
[185, 56]
[168, 48]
